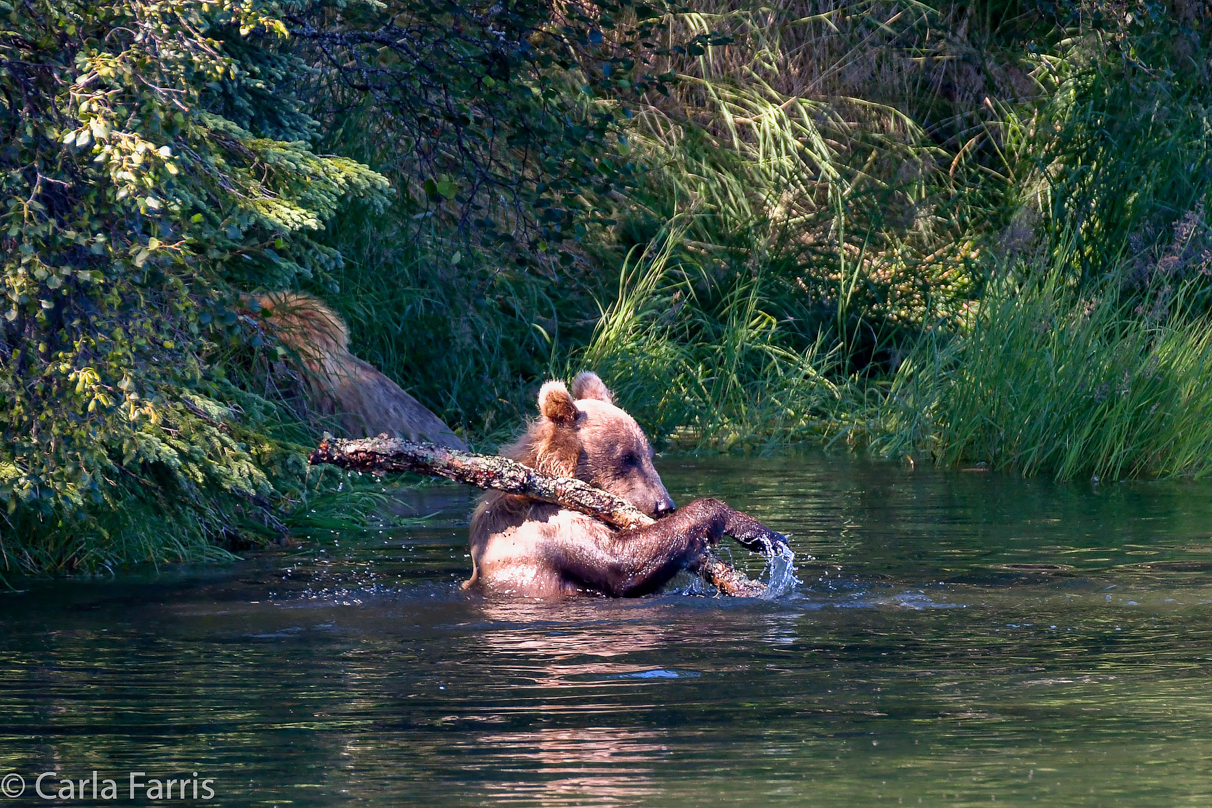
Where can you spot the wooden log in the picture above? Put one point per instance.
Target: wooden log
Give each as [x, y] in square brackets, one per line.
[383, 454]
[727, 578]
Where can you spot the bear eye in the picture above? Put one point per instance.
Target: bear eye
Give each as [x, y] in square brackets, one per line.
[630, 459]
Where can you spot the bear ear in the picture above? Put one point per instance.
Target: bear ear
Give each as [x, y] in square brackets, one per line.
[588, 385]
[556, 405]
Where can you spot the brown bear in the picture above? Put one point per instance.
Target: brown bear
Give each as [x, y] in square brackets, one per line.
[524, 547]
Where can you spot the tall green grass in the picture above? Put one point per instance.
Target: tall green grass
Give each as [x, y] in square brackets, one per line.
[1059, 379]
[1121, 146]
[816, 240]
[798, 224]
[840, 270]
[796, 147]
[1091, 357]
[715, 372]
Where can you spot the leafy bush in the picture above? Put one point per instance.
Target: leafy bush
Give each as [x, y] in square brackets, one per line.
[499, 122]
[151, 168]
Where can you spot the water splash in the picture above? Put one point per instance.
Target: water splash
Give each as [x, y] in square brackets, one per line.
[780, 572]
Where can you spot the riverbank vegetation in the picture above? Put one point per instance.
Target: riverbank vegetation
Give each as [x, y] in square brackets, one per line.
[964, 233]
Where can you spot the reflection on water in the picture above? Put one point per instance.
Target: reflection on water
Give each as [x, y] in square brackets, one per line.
[566, 650]
[956, 639]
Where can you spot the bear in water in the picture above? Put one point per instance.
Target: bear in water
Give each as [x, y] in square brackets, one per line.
[525, 547]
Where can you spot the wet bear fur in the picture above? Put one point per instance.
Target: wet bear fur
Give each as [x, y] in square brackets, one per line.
[524, 547]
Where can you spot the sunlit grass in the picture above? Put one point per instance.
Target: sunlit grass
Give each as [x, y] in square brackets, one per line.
[717, 374]
[816, 248]
[1056, 379]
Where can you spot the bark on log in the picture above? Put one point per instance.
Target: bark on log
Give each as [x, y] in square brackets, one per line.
[384, 454]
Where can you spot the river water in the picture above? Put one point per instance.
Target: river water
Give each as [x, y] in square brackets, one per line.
[958, 638]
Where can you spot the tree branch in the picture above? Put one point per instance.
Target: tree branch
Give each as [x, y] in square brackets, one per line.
[383, 454]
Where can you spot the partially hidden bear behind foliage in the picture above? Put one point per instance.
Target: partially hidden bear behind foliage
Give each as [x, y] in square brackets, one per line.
[363, 400]
[524, 547]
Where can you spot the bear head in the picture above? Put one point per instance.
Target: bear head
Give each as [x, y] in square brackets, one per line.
[582, 434]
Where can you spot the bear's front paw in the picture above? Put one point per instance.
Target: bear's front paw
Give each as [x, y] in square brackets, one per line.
[753, 535]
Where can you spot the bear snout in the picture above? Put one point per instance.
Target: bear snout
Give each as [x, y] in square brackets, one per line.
[664, 507]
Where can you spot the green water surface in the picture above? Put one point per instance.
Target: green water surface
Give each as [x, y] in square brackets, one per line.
[959, 638]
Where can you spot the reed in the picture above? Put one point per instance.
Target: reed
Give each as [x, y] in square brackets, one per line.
[796, 146]
[843, 225]
[1056, 378]
[711, 372]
